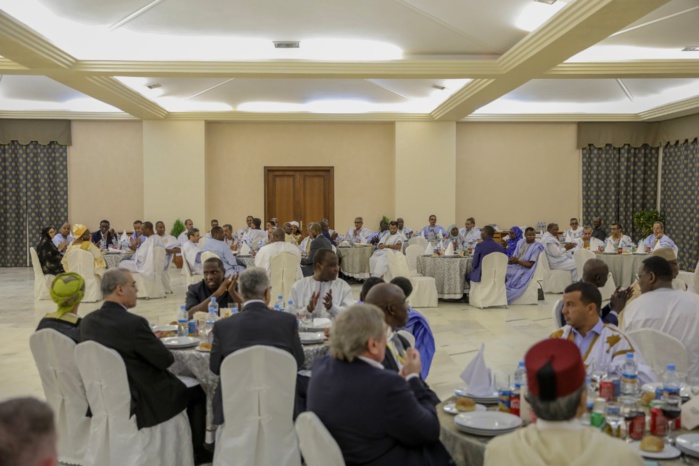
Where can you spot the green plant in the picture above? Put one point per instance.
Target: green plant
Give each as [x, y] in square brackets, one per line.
[386, 219]
[643, 221]
[177, 228]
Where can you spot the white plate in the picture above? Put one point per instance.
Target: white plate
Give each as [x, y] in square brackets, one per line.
[641, 253]
[180, 342]
[488, 400]
[604, 252]
[484, 433]
[319, 324]
[668, 453]
[165, 328]
[451, 408]
[488, 421]
[310, 338]
[688, 443]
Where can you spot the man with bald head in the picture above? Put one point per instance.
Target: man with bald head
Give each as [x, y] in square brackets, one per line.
[141, 261]
[63, 238]
[222, 250]
[278, 246]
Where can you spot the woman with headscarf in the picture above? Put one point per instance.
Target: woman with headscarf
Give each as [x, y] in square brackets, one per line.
[512, 240]
[82, 241]
[49, 255]
[454, 237]
[67, 290]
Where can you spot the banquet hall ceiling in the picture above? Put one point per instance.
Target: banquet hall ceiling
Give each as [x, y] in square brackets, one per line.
[362, 60]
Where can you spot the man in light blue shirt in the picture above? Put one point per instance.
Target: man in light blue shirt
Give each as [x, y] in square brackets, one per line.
[432, 231]
[63, 238]
[658, 239]
[222, 250]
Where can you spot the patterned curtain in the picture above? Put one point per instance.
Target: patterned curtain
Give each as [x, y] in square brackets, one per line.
[680, 199]
[34, 194]
[617, 182]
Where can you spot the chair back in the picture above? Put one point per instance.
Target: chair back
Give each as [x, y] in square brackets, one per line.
[258, 387]
[490, 291]
[64, 390]
[556, 314]
[412, 252]
[608, 289]
[696, 278]
[553, 281]
[397, 266]
[283, 268]
[190, 278]
[419, 240]
[83, 263]
[660, 349]
[580, 256]
[41, 282]
[408, 336]
[318, 446]
[36, 264]
[206, 255]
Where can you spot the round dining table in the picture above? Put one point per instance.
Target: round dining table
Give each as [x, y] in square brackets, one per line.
[449, 273]
[354, 260]
[623, 267]
[112, 259]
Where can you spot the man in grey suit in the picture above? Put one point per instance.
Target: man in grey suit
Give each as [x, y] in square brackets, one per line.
[319, 242]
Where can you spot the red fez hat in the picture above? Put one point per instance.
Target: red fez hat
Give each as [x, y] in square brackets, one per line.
[554, 369]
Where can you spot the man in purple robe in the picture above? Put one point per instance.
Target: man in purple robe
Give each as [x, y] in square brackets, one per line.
[522, 265]
[487, 246]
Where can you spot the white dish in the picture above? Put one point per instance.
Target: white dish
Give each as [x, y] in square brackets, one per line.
[310, 338]
[688, 443]
[463, 391]
[604, 252]
[484, 433]
[667, 454]
[165, 328]
[319, 324]
[180, 342]
[451, 408]
[487, 422]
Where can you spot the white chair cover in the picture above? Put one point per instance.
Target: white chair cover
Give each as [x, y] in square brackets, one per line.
[419, 240]
[283, 269]
[83, 263]
[490, 291]
[556, 314]
[660, 349]
[608, 289]
[531, 294]
[408, 336]
[554, 281]
[696, 278]
[206, 255]
[54, 356]
[152, 287]
[424, 288]
[258, 387]
[318, 447]
[580, 256]
[189, 277]
[114, 438]
[42, 282]
[412, 252]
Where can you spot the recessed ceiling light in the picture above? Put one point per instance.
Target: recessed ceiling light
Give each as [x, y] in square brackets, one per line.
[691, 49]
[154, 86]
[438, 87]
[286, 44]
[548, 2]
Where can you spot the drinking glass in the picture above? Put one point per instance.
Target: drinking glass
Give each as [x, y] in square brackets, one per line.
[629, 408]
[693, 383]
[597, 371]
[612, 412]
[672, 409]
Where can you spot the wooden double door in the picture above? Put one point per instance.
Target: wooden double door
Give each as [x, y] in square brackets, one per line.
[304, 194]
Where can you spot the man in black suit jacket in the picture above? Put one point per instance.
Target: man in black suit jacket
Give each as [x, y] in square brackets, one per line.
[377, 416]
[105, 232]
[256, 324]
[319, 242]
[157, 395]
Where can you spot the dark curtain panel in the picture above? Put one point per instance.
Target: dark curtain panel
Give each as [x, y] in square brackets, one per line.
[617, 182]
[680, 200]
[34, 194]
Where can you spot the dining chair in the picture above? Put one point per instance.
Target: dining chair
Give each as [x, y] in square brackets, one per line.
[531, 293]
[189, 277]
[660, 349]
[83, 263]
[490, 291]
[283, 270]
[42, 282]
[151, 286]
[424, 288]
[554, 281]
[318, 446]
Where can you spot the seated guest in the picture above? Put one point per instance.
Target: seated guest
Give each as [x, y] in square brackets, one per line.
[599, 343]
[249, 226]
[215, 284]
[587, 241]
[296, 232]
[559, 257]
[485, 247]
[359, 232]
[63, 238]
[522, 265]
[322, 294]
[105, 237]
[470, 233]
[658, 239]
[433, 232]
[368, 284]
[228, 236]
[82, 241]
[142, 260]
[157, 395]
[597, 229]
[287, 234]
[575, 232]
[376, 236]
[315, 244]
[214, 224]
[331, 234]
[511, 240]
[618, 239]
[191, 252]
[454, 238]
[172, 246]
[137, 237]
[216, 245]
[255, 238]
[402, 229]
[27, 433]
[666, 310]
[49, 255]
[188, 225]
[377, 416]
[256, 324]
[558, 397]
[264, 256]
[67, 290]
[388, 244]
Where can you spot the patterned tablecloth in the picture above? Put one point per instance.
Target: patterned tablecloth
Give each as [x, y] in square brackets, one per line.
[623, 266]
[354, 261]
[449, 273]
[247, 261]
[113, 260]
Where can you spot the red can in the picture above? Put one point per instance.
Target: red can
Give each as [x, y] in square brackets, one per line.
[606, 390]
[514, 403]
[637, 427]
[658, 422]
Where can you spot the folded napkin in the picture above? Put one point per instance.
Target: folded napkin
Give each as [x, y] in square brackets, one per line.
[429, 249]
[478, 376]
[363, 240]
[609, 247]
[657, 246]
[245, 250]
[124, 238]
[450, 249]
[641, 246]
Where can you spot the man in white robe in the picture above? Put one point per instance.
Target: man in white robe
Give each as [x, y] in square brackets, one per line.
[575, 232]
[600, 344]
[172, 246]
[658, 239]
[142, 261]
[618, 239]
[471, 234]
[264, 256]
[191, 252]
[587, 241]
[255, 237]
[214, 223]
[661, 308]
[359, 232]
[388, 244]
[322, 294]
[228, 237]
[559, 256]
[248, 220]
[402, 229]
[558, 396]
[188, 225]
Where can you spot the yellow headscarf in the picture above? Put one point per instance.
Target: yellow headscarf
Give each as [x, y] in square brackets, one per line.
[67, 290]
[78, 230]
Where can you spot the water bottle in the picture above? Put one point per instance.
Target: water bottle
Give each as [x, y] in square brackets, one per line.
[279, 306]
[629, 376]
[182, 322]
[103, 244]
[671, 382]
[211, 319]
[290, 304]
[213, 307]
[520, 381]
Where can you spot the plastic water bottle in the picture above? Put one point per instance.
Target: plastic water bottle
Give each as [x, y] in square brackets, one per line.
[211, 319]
[103, 244]
[290, 304]
[182, 322]
[671, 382]
[520, 381]
[213, 307]
[279, 306]
[629, 376]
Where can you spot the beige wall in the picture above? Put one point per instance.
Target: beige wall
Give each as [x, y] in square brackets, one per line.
[517, 173]
[362, 154]
[105, 173]
[174, 171]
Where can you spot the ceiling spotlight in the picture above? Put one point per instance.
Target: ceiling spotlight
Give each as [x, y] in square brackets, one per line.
[691, 49]
[438, 87]
[154, 86]
[548, 2]
[286, 44]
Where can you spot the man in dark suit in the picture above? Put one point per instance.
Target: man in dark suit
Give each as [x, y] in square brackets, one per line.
[256, 324]
[319, 242]
[485, 247]
[105, 233]
[377, 416]
[157, 395]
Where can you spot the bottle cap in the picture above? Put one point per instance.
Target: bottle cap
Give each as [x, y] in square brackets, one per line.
[213, 299]
[182, 308]
[671, 367]
[629, 355]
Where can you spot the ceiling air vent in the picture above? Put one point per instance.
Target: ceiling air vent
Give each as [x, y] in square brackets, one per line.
[691, 49]
[286, 44]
